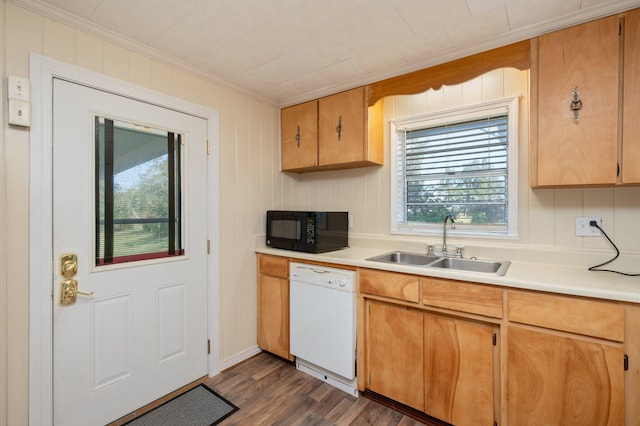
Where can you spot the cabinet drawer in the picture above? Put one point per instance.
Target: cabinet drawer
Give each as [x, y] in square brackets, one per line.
[462, 296]
[390, 284]
[274, 265]
[576, 315]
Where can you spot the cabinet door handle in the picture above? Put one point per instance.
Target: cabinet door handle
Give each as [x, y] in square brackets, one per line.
[298, 137]
[576, 104]
[339, 128]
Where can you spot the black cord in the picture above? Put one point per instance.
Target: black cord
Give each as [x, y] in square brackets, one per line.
[597, 267]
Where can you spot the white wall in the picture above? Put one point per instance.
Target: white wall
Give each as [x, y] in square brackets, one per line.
[248, 176]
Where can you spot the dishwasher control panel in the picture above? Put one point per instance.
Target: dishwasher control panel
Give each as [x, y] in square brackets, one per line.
[339, 279]
[339, 282]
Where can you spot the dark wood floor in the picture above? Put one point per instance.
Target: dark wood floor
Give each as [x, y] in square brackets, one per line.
[270, 391]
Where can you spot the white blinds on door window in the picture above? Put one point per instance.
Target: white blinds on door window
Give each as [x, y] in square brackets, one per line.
[138, 187]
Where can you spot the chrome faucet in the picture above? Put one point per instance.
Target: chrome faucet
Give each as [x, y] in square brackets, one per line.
[448, 218]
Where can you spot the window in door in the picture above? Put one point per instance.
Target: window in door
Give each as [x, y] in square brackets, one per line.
[138, 201]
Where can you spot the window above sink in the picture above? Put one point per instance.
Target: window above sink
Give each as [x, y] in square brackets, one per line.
[461, 161]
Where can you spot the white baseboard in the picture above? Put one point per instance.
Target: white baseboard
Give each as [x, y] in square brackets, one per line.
[238, 358]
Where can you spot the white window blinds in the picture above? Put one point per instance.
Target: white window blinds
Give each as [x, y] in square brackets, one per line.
[457, 168]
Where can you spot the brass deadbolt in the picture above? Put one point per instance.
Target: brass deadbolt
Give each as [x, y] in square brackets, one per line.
[68, 265]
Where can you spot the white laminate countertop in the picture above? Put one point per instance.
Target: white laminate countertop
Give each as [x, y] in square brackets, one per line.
[533, 268]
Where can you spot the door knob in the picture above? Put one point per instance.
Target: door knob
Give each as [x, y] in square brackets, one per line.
[69, 292]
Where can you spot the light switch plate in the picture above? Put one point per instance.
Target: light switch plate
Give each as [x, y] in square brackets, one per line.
[19, 113]
[18, 88]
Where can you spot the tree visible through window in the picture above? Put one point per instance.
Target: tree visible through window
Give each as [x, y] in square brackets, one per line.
[138, 192]
[456, 164]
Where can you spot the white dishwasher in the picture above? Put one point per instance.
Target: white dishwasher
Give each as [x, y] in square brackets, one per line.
[322, 316]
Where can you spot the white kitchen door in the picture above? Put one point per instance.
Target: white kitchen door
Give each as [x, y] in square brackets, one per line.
[130, 237]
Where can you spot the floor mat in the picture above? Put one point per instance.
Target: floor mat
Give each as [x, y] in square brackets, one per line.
[200, 406]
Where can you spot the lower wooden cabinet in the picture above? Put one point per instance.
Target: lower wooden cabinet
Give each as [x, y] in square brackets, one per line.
[395, 353]
[459, 366]
[273, 305]
[441, 365]
[487, 355]
[566, 365]
[444, 365]
[556, 379]
[460, 355]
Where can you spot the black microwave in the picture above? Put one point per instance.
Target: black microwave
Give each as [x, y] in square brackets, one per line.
[311, 232]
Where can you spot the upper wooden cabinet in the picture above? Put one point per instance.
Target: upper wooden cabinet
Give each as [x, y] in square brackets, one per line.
[631, 123]
[584, 58]
[341, 122]
[580, 86]
[331, 133]
[299, 136]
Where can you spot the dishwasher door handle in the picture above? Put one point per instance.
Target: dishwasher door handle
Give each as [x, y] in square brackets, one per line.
[317, 271]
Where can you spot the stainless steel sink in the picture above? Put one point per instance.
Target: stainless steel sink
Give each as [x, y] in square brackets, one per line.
[435, 261]
[474, 265]
[405, 258]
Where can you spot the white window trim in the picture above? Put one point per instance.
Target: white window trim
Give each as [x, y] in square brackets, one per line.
[470, 112]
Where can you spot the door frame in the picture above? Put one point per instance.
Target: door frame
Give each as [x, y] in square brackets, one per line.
[41, 266]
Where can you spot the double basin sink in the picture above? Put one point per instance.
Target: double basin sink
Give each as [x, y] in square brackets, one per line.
[454, 263]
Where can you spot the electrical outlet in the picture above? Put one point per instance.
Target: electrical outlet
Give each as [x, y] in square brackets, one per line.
[584, 229]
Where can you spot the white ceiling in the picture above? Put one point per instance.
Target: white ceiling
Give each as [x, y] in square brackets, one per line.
[288, 51]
